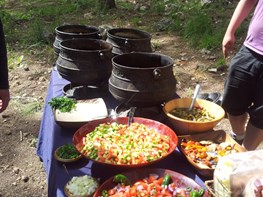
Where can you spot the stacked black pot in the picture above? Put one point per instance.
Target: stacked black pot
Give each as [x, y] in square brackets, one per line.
[134, 74]
[66, 32]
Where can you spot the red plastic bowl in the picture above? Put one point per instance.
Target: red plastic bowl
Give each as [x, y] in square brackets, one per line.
[138, 174]
[159, 127]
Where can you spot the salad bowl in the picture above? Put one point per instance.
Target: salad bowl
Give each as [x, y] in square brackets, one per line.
[127, 149]
[67, 153]
[177, 183]
[184, 126]
[81, 186]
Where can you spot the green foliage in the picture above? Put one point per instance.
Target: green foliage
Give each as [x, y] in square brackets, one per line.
[31, 108]
[211, 41]
[32, 143]
[202, 25]
[220, 64]
[124, 5]
[158, 6]
[156, 45]
[135, 21]
[32, 23]
[14, 61]
[4, 15]
[195, 23]
[197, 27]
[36, 33]
[26, 106]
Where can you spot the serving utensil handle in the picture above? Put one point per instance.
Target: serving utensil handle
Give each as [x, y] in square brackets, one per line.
[197, 89]
[131, 115]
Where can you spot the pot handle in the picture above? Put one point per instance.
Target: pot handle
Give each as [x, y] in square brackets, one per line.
[101, 55]
[100, 36]
[156, 73]
[127, 46]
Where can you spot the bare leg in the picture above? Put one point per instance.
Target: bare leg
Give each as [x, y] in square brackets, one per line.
[238, 123]
[253, 137]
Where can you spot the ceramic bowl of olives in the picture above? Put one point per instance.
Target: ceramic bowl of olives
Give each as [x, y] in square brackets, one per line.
[204, 116]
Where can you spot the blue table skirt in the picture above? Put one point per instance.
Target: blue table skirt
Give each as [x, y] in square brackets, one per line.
[51, 136]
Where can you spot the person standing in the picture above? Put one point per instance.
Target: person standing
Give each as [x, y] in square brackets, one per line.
[243, 91]
[4, 83]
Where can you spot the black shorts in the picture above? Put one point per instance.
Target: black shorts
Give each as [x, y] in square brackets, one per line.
[244, 86]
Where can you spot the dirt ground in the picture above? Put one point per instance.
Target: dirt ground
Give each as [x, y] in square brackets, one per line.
[21, 171]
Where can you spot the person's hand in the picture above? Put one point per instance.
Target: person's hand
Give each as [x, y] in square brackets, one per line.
[4, 99]
[228, 44]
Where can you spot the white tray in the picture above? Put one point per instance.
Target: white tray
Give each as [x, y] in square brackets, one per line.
[86, 110]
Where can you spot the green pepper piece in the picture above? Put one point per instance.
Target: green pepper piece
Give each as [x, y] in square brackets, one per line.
[105, 193]
[188, 188]
[201, 191]
[120, 178]
[195, 193]
[166, 180]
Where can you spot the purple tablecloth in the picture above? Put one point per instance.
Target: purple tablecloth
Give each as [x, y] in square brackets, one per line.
[52, 136]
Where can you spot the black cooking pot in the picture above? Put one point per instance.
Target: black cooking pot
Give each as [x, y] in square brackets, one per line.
[85, 61]
[126, 40]
[66, 32]
[142, 79]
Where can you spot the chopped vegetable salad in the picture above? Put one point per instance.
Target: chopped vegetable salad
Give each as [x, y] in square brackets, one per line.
[153, 186]
[122, 144]
[207, 153]
[198, 114]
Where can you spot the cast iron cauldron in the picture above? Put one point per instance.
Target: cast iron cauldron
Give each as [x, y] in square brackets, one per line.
[142, 79]
[126, 40]
[85, 61]
[66, 32]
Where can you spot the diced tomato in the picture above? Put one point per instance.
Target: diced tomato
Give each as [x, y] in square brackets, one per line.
[160, 180]
[112, 191]
[183, 193]
[141, 185]
[151, 178]
[133, 191]
[157, 186]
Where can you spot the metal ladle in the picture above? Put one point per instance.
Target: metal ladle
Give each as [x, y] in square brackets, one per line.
[197, 89]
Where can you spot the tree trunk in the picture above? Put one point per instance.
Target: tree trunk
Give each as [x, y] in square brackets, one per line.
[107, 4]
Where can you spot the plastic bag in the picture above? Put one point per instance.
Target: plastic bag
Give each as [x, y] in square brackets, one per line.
[240, 174]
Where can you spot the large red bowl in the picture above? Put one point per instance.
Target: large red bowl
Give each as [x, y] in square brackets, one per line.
[159, 127]
[138, 174]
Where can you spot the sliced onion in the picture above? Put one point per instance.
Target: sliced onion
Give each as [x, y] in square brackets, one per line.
[154, 175]
[170, 188]
[139, 187]
[176, 191]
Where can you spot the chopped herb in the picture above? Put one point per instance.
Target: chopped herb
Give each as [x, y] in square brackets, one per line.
[68, 151]
[64, 104]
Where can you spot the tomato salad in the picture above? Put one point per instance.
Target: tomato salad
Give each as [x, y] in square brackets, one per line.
[122, 144]
[151, 186]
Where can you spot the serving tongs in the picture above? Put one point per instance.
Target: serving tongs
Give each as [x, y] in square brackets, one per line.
[196, 92]
[131, 115]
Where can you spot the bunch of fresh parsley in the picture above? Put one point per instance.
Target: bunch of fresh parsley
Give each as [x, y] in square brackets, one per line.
[63, 104]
